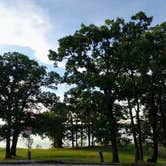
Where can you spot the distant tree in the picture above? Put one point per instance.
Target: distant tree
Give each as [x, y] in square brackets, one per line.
[52, 124]
[83, 113]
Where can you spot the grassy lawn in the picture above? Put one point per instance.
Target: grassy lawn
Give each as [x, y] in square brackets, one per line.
[83, 155]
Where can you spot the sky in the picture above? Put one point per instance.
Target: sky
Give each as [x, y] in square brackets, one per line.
[32, 27]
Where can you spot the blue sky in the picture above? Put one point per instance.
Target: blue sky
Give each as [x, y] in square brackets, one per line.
[34, 26]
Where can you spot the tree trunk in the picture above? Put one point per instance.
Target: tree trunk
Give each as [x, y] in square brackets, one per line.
[14, 143]
[163, 124]
[76, 139]
[81, 134]
[92, 135]
[72, 133]
[89, 143]
[162, 109]
[141, 156]
[92, 140]
[8, 155]
[113, 129]
[155, 143]
[59, 143]
[115, 156]
[154, 121]
[54, 142]
[76, 134]
[137, 157]
[139, 131]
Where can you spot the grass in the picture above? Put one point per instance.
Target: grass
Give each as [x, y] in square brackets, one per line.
[82, 155]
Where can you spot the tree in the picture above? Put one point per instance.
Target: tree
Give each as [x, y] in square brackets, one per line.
[152, 68]
[93, 62]
[52, 123]
[85, 111]
[20, 81]
[132, 83]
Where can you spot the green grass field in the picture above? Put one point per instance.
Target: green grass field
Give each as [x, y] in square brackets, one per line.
[82, 155]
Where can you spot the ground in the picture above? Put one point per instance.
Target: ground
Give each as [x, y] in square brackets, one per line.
[33, 164]
[83, 155]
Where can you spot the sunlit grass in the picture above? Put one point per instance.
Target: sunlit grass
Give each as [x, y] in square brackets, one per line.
[82, 155]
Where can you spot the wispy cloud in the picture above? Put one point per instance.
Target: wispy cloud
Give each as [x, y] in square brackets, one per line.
[25, 24]
[38, 24]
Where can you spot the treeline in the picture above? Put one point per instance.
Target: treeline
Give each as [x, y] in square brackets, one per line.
[117, 72]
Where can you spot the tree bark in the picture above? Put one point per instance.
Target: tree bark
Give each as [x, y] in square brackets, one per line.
[14, 143]
[137, 156]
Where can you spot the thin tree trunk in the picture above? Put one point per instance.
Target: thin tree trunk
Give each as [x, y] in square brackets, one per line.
[139, 131]
[162, 110]
[89, 143]
[137, 157]
[138, 119]
[92, 135]
[115, 156]
[14, 143]
[76, 139]
[81, 134]
[154, 120]
[155, 143]
[92, 140]
[72, 133]
[163, 122]
[54, 142]
[76, 134]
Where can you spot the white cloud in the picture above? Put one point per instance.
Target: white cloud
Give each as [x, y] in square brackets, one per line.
[25, 24]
